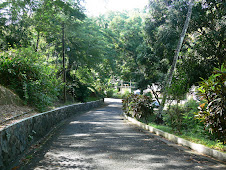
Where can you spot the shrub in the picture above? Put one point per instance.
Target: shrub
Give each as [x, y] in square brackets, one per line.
[183, 117]
[117, 95]
[125, 94]
[138, 106]
[27, 73]
[81, 91]
[110, 92]
[179, 87]
[174, 117]
[189, 119]
[212, 111]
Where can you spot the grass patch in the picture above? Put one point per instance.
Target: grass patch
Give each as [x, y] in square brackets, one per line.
[161, 127]
[204, 141]
[192, 137]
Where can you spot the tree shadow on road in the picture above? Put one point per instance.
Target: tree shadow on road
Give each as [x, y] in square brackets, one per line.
[100, 139]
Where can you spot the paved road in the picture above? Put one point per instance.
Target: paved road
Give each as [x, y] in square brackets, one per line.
[100, 139]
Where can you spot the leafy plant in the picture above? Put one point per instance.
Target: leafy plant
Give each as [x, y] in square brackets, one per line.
[109, 92]
[27, 73]
[182, 118]
[81, 91]
[212, 111]
[125, 94]
[178, 87]
[138, 106]
[190, 123]
[174, 117]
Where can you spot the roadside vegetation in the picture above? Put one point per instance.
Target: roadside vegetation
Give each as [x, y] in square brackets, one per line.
[200, 121]
[52, 54]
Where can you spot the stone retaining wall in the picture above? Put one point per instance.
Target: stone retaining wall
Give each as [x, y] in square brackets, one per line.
[16, 138]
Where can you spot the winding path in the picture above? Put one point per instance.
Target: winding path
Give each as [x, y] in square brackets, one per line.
[100, 139]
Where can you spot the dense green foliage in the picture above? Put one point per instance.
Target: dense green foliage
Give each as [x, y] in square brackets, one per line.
[182, 117]
[203, 46]
[212, 112]
[133, 46]
[30, 37]
[31, 31]
[138, 106]
[31, 77]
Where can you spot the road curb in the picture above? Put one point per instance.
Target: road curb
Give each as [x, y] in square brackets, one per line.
[197, 147]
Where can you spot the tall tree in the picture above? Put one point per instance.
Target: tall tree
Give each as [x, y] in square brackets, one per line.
[170, 75]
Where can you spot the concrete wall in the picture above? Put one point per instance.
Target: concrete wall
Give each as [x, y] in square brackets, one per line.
[16, 138]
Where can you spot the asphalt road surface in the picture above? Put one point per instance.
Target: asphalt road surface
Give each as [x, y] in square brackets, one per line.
[100, 139]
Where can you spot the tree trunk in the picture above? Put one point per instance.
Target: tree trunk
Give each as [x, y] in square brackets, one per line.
[170, 75]
[156, 95]
[37, 42]
[64, 71]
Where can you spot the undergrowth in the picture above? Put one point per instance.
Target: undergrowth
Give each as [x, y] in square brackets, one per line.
[188, 127]
[192, 137]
